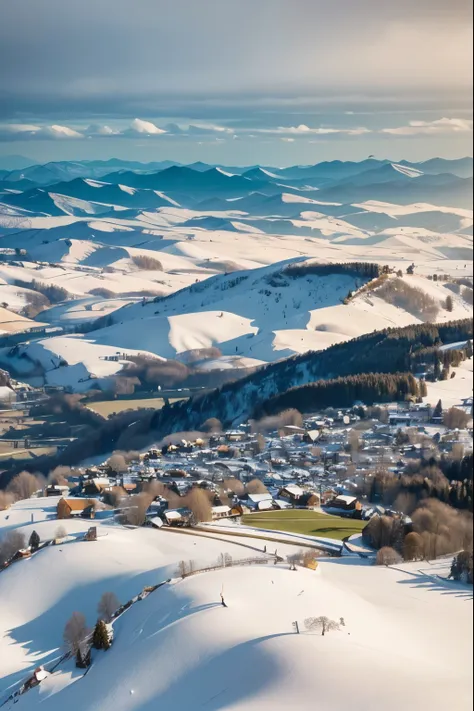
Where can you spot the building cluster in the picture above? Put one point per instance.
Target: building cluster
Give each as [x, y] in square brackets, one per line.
[327, 463]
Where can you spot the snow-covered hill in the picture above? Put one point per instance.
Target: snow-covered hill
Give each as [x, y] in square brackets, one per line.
[179, 648]
[135, 232]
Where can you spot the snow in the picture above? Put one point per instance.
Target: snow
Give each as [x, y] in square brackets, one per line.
[179, 648]
[409, 172]
[454, 392]
[93, 246]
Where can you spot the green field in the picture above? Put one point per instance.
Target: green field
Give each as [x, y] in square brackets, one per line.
[308, 523]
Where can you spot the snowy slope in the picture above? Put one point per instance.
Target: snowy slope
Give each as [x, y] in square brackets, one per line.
[180, 649]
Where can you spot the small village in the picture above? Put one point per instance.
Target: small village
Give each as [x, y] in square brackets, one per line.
[333, 462]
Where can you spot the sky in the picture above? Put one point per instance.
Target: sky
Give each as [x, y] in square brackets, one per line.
[236, 81]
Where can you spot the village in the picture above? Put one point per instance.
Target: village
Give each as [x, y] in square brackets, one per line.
[334, 462]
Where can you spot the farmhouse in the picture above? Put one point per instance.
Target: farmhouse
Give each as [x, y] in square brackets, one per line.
[346, 503]
[67, 508]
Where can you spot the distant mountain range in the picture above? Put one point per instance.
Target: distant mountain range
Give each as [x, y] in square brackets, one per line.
[16, 168]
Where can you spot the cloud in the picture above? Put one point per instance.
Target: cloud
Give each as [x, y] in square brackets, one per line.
[146, 128]
[174, 129]
[24, 132]
[439, 126]
[290, 50]
[303, 131]
[97, 130]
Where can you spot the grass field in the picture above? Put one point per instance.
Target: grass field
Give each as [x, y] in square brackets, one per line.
[308, 523]
[107, 407]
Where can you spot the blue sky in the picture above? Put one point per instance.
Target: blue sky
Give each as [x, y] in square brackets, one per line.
[236, 82]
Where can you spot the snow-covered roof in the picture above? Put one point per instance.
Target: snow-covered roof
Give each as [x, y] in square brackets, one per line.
[294, 490]
[220, 509]
[173, 515]
[346, 499]
[257, 498]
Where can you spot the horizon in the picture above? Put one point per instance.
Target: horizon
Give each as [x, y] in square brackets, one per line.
[298, 84]
[29, 162]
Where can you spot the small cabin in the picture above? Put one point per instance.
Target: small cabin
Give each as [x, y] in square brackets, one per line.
[68, 508]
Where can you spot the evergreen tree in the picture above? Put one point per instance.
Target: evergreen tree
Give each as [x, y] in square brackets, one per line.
[100, 636]
[449, 303]
[34, 541]
[438, 411]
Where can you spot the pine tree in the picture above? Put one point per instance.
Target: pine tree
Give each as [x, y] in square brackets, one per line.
[34, 541]
[438, 411]
[449, 303]
[100, 636]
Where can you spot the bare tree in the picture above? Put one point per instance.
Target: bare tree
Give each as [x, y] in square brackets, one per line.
[75, 633]
[136, 508]
[117, 463]
[108, 603]
[413, 546]
[211, 425]
[183, 569]
[60, 532]
[255, 486]
[387, 556]
[224, 560]
[10, 544]
[24, 485]
[59, 475]
[323, 624]
[6, 499]
[234, 485]
[455, 418]
[198, 501]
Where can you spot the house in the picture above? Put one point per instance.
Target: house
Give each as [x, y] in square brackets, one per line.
[345, 503]
[296, 496]
[218, 512]
[39, 675]
[56, 490]
[400, 418]
[67, 508]
[91, 534]
[235, 436]
[178, 517]
[258, 502]
[94, 487]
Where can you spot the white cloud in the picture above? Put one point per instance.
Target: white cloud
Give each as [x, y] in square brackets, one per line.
[23, 131]
[199, 129]
[288, 140]
[303, 130]
[145, 127]
[97, 130]
[442, 125]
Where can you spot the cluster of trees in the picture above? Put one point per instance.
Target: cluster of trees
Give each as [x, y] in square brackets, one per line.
[54, 294]
[409, 298]
[343, 392]
[386, 351]
[365, 270]
[422, 480]
[15, 541]
[435, 529]
[440, 361]
[79, 638]
[147, 263]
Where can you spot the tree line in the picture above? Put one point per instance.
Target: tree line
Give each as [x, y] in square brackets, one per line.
[343, 392]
